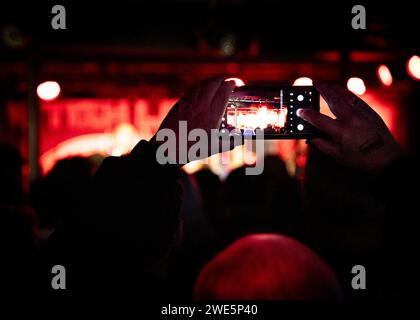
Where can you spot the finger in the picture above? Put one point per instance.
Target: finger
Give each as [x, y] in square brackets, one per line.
[355, 102]
[193, 95]
[320, 121]
[338, 106]
[208, 91]
[325, 146]
[188, 99]
[220, 99]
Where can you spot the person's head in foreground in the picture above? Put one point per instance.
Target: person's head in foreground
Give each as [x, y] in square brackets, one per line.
[267, 266]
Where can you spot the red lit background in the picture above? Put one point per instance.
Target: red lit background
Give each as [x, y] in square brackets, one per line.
[101, 85]
[88, 126]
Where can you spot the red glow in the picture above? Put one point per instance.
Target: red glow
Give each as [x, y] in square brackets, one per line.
[126, 137]
[303, 81]
[413, 67]
[48, 90]
[117, 143]
[238, 82]
[280, 268]
[111, 126]
[356, 85]
[85, 145]
[384, 75]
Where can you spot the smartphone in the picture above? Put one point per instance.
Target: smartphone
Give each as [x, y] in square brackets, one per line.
[272, 109]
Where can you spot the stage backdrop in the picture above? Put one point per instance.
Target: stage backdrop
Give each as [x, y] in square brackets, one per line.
[89, 126]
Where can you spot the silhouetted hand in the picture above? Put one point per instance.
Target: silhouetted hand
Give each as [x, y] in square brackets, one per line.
[201, 108]
[357, 137]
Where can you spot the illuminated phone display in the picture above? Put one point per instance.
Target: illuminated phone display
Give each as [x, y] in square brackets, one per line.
[272, 109]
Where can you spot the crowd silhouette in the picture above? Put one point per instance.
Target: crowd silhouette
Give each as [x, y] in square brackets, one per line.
[135, 227]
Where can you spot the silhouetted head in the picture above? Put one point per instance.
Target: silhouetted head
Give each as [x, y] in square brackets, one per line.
[191, 199]
[62, 191]
[210, 186]
[206, 178]
[120, 240]
[342, 215]
[10, 175]
[267, 266]
[274, 167]
[261, 203]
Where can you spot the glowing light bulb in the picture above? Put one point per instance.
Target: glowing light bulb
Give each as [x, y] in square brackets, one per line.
[303, 81]
[384, 75]
[356, 85]
[413, 67]
[48, 90]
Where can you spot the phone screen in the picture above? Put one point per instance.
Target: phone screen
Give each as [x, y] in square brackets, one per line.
[272, 109]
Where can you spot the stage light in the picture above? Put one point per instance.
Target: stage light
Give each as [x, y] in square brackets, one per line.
[413, 67]
[126, 137]
[356, 85]
[303, 81]
[48, 90]
[384, 75]
[238, 82]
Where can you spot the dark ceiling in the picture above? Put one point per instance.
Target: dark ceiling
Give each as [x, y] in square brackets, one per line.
[110, 48]
[280, 30]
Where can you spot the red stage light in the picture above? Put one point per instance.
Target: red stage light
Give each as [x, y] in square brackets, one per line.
[413, 67]
[238, 82]
[356, 85]
[303, 81]
[384, 75]
[48, 90]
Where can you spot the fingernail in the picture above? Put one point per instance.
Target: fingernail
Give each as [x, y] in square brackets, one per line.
[300, 113]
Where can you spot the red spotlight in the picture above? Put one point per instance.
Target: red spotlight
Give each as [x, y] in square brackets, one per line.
[356, 85]
[48, 90]
[413, 67]
[384, 75]
[238, 82]
[303, 81]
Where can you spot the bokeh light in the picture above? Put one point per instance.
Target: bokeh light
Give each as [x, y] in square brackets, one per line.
[48, 90]
[356, 85]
